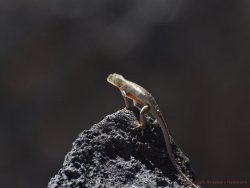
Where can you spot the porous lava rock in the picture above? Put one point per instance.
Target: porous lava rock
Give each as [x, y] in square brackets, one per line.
[113, 153]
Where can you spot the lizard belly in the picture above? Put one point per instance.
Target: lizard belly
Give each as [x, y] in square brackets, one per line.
[132, 97]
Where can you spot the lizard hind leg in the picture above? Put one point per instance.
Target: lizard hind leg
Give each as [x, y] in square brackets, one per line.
[142, 124]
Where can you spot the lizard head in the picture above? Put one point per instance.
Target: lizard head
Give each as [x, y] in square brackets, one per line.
[116, 80]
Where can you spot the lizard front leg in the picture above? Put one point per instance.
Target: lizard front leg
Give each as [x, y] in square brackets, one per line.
[135, 103]
[126, 100]
[142, 124]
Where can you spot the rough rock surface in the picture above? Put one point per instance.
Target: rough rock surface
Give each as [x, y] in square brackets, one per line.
[112, 153]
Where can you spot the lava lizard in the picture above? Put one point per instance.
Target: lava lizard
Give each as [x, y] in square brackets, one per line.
[139, 95]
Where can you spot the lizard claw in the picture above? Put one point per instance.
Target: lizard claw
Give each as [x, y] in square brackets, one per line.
[139, 126]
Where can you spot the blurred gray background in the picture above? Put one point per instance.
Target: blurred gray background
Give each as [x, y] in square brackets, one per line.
[55, 56]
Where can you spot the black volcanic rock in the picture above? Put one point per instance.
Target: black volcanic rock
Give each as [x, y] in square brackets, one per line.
[112, 153]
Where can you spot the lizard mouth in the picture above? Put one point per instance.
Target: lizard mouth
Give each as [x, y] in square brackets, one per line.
[110, 79]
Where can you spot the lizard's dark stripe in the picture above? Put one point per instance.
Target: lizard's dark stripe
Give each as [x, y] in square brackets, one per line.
[132, 97]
